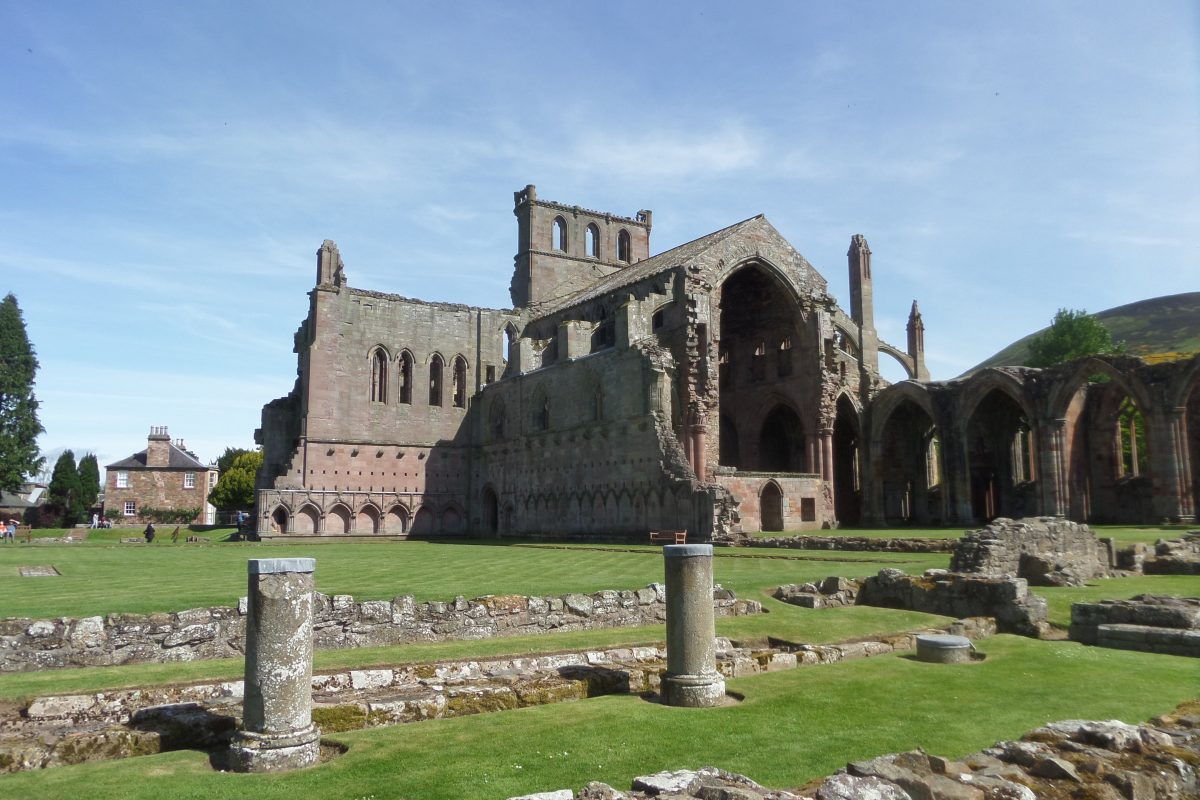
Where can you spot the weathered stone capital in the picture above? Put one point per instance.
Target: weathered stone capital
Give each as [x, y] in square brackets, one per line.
[273, 566]
[687, 550]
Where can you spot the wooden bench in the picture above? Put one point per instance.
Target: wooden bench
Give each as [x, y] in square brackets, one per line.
[668, 537]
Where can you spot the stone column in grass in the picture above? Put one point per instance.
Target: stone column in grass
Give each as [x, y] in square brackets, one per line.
[277, 728]
[691, 678]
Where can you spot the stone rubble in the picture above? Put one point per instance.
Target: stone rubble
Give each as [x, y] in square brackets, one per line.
[1152, 623]
[1046, 551]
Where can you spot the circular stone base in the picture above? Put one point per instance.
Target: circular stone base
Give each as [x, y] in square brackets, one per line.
[693, 691]
[939, 649]
[261, 752]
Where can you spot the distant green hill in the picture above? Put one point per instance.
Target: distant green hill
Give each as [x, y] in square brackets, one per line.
[1160, 329]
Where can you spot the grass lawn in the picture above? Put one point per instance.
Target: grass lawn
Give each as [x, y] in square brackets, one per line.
[793, 726]
[871, 533]
[108, 578]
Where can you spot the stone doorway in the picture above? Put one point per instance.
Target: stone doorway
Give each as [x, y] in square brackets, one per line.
[491, 512]
[279, 520]
[771, 507]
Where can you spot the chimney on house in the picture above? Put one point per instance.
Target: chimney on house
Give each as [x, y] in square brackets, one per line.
[158, 447]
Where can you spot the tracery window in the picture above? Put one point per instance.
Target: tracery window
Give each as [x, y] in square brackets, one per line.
[460, 382]
[406, 377]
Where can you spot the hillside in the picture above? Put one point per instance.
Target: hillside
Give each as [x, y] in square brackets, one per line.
[1159, 329]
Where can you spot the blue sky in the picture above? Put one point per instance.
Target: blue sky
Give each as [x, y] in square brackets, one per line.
[169, 169]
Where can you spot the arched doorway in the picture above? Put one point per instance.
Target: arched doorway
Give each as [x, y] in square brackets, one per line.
[279, 520]
[491, 512]
[781, 443]
[1001, 459]
[847, 492]
[770, 504]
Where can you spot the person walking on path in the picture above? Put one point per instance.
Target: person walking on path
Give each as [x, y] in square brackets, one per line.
[149, 532]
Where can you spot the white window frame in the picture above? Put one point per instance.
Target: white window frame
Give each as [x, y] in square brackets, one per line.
[130, 509]
[189, 480]
[122, 479]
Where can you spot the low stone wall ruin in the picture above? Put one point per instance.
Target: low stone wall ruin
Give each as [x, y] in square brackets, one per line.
[860, 543]
[1046, 551]
[1152, 623]
[338, 622]
[1004, 598]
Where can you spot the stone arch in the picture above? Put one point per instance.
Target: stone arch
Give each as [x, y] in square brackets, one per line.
[279, 520]
[888, 400]
[452, 519]
[986, 381]
[307, 519]
[437, 366]
[1001, 455]
[540, 410]
[906, 458]
[379, 359]
[460, 381]
[1066, 386]
[404, 364]
[423, 521]
[368, 520]
[510, 341]
[623, 246]
[491, 511]
[847, 466]
[770, 504]
[558, 234]
[396, 520]
[338, 519]
[901, 358]
[592, 241]
[625, 518]
[497, 419]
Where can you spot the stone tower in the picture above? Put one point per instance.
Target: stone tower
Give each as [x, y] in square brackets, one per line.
[862, 305]
[562, 249]
[916, 343]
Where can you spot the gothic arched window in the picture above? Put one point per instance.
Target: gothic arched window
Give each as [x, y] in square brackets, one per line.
[435, 380]
[406, 376]
[379, 376]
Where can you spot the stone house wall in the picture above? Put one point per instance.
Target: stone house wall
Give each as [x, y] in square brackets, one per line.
[157, 487]
[339, 622]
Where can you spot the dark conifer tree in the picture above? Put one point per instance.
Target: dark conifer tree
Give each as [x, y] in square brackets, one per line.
[63, 496]
[89, 481]
[19, 426]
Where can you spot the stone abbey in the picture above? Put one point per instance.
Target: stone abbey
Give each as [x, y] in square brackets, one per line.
[716, 387]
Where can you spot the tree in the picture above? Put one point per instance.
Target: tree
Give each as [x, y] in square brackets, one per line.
[225, 460]
[64, 495]
[235, 486]
[1072, 334]
[19, 426]
[89, 481]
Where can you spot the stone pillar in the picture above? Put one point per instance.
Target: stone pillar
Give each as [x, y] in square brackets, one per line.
[691, 678]
[700, 450]
[277, 730]
[827, 455]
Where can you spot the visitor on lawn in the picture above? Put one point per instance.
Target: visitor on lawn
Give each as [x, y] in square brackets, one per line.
[149, 533]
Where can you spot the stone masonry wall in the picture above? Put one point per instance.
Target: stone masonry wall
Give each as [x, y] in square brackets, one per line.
[1152, 623]
[958, 595]
[1046, 551]
[339, 622]
[157, 488]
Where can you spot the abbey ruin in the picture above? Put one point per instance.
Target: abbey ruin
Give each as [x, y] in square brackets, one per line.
[715, 387]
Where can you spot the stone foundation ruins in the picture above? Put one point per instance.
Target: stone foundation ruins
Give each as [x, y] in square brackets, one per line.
[1073, 758]
[1152, 623]
[1046, 551]
[56, 730]
[338, 622]
[1004, 598]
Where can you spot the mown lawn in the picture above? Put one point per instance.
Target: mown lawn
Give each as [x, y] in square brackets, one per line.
[793, 726]
[108, 578]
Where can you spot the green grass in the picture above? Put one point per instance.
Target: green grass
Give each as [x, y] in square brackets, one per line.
[793, 726]
[1143, 534]
[103, 578]
[1059, 600]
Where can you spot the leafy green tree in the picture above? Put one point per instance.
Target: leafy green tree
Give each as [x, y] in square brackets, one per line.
[19, 426]
[64, 495]
[89, 481]
[225, 460]
[1072, 334]
[235, 486]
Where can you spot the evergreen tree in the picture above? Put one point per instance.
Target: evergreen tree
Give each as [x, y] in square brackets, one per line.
[235, 486]
[1072, 334]
[225, 460]
[89, 481]
[64, 495]
[19, 426]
